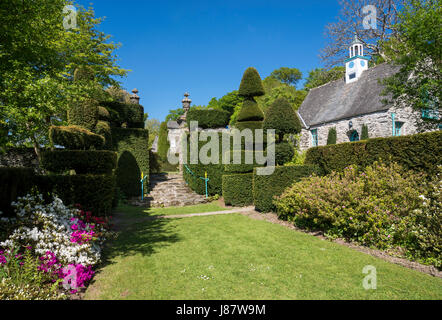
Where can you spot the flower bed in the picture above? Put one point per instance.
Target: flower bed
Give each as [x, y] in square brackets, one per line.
[49, 246]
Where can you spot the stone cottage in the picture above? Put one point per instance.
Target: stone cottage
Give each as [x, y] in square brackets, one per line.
[348, 104]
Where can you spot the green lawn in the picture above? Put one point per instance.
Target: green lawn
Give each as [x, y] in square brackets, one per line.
[149, 212]
[235, 257]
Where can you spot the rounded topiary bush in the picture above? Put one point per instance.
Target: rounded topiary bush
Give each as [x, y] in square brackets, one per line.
[128, 175]
[251, 84]
[103, 129]
[103, 114]
[282, 118]
[332, 136]
[284, 153]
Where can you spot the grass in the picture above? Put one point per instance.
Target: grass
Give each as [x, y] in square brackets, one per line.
[234, 257]
[138, 212]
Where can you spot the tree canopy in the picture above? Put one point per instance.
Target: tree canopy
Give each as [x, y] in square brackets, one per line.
[320, 76]
[290, 76]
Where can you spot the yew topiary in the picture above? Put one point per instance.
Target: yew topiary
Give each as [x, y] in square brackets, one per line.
[282, 118]
[250, 111]
[251, 84]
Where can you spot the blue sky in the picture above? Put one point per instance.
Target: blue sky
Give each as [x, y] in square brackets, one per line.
[204, 47]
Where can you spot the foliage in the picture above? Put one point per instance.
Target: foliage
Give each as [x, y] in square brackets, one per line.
[103, 129]
[103, 114]
[373, 207]
[174, 115]
[154, 163]
[84, 114]
[420, 152]
[251, 84]
[14, 183]
[238, 189]
[208, 119]
[290, 76]
[282, 118]
[364, 134]
[214, 171]
[242, 167]
[153, 126]
[132, 146]
[94, 191]
[319, 77]
[38, 58]
[250, 111]
[83, 162]
[163, 142]
[332, 136]
[228, 102]
[418, 56]
[284, 153]
[265, 188]
[75, 138]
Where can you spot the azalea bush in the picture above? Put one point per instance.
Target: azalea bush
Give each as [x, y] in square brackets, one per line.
[62, 243]
[382, 206]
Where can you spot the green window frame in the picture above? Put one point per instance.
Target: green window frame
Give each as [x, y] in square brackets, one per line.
[315, 140]
[398, 128]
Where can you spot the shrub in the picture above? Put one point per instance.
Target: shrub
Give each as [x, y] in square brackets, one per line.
[134, 144]
[84, 114]
[284, 153]
[421, 152]
[214, 171]
[364, 134]
[122, 113]
[253, 125]
[265, 188]
[251, 84]
[82, 162]
[103, 129]
[103, 114]
[75, 138]
[250, 111]
[242, 167]
[154, 163]
[14, 182]
[375, 207]
[282, 118]
[332, 136]
[163, 142]
[209, 119]
[238, 189]
[94, 192]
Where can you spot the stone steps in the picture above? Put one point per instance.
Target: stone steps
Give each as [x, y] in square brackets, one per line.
[169, 190]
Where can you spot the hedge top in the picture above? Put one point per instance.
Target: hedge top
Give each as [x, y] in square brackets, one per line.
[281, 117]
[251, 84]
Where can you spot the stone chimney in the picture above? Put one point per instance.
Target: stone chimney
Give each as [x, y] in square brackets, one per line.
[134, 98]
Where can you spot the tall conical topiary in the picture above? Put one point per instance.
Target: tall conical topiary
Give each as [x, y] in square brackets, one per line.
[281, 117]
[364, 134]
[250, 116]
[332, 136]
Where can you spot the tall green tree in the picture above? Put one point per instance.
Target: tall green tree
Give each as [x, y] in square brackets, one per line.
[290, 76]
[320, 76]
[38, 57]
[419, 56]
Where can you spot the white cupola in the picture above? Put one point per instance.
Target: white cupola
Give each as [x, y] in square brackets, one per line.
[357, 63]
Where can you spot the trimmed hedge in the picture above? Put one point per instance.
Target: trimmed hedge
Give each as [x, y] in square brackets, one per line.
[75, 138]
[103, 129]
[364, 134]
[238, 189]
[209, 119]
[124, 113]
[420, 152]
[332, 136]
[84, 114]
[163, 142]
[214, 172]
[14, 182]
[267, 187]
[284, 153]
[241, 168]
[253, 125]
[83, 162]
[132, 146]
[250, 111]
[103, 114]
[282, 118]
[94, 192]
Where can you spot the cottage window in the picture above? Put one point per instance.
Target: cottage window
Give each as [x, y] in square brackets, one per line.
[315, 141]
[398, 128]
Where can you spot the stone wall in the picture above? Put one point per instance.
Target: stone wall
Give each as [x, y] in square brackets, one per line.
[379, 125]
[20, 158]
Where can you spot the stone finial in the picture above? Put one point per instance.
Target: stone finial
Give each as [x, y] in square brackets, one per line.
[134, 98]
[186, 102]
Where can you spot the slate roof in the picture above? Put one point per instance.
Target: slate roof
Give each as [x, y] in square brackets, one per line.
[337, 100]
